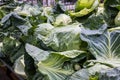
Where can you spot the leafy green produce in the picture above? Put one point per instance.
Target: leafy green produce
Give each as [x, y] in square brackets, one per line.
[117, 19]
[46, 62]
[48, 13]
[81, 4]
[88, 73]
[12, 48]
[60, 38]
[62, 19]
[111, 74]
[84, 10]
[19, 66]
[94, 22]
[59, 7]
[104, 47]
[53, 43]
[111, 11]
[14, 20]
[44, 29]
[1, 14]
[27, 10]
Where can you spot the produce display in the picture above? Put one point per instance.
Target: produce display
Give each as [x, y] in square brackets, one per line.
[52, 43]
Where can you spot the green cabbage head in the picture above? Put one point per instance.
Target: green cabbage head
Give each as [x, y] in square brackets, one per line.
[62, 20]
[81, 4]
[84, 7]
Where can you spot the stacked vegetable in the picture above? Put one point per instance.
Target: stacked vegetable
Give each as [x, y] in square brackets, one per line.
[52, 43]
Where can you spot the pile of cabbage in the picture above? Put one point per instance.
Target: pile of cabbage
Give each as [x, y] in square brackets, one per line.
[53, 43]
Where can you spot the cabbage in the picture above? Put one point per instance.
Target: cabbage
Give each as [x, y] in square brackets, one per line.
[84, 7]
[81, 4]
[104, 46]
[60, 38]
[50, 63]
[27, 10]
[62, 19]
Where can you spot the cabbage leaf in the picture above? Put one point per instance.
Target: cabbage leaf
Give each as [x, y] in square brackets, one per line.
[104, 46]
[60, 38]
[50, 63]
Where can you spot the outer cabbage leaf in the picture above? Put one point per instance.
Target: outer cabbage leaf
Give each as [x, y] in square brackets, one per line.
[94, 22]
[104, 45]
[115, 3]
[110, 74]
[59, 7]
[50, 64]
[2, 13]
[113, 29]
[14, 20]
[88, 73]
[19, 66]
[6, 20]
[111, 11]
[61, 38]
[12, 48]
